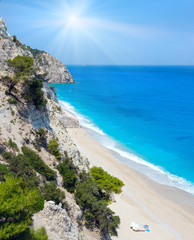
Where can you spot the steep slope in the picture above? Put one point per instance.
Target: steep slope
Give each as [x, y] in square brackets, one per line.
[37, 149]
[10, 47]
[19, 123]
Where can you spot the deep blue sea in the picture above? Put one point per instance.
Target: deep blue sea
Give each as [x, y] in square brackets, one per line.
[145, 115]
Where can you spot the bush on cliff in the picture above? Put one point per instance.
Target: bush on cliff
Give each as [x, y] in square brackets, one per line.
[34, 92]
[12, 144]
[19, 166]
[96, 212]
[53, 148]
[22, 67]
[51, 192]
[38, 164]
[68, 172]
[3, 171]
[31, 234]
[106, 182]
[17, 205]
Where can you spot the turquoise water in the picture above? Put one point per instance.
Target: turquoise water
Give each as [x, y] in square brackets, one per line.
[144, 114]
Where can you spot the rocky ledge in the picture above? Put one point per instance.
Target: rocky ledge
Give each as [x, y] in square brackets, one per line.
[56, 221]
[10, 47]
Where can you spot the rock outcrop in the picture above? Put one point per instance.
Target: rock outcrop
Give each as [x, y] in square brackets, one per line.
[10, 48]
[20, 122]
[57, 223]
[57, 72]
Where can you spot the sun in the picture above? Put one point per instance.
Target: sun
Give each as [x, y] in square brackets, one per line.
[72, 18]
[74, 21]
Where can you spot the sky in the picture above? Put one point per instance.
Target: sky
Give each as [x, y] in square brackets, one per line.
[105, 32]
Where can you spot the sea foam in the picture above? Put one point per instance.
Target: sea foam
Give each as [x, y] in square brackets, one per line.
[125, 155]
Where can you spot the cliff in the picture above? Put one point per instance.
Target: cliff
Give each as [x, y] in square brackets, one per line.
[20, 121]
[10, 47]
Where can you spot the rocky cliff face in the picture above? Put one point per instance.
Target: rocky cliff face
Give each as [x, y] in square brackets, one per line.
[56, 71]
[8, 49]
[56, 221]
[20, 122]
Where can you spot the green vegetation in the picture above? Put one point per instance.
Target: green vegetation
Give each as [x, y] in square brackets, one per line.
[38, 164]
[92, 193]
[14, 38]
[68, 172]
[51, 192]
[106, 182]
[3, 171]
[13, 145]
[35, 93]
[21, 66]
[34, 52]
[23, 69]
[31, 234]
[96, 212]
[17, 205]
[18, 43]
[53, 148]
[41, 136]
[23, 165]
[19, 166]
[12, 101]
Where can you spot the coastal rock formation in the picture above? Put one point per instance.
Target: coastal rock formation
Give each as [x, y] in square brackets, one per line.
[57, 223]
[19, 122]
[10, 48]
[57, 72]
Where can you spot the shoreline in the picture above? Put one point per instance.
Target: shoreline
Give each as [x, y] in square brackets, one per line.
[142, 199]
[127, 156]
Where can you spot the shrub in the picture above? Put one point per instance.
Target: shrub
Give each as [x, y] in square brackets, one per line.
[68, 172]
[38, 164]
[21, 65]
[35, 93]
[106, 182]
[8, 156]
[41, 136]
[17, 205]
[20, 167]
[13, 145]
[3, 171]
[31, 234]
[14, 38]
[12, 101]
[53, 148]
[51, 192]
[96, 212]
[6, 92]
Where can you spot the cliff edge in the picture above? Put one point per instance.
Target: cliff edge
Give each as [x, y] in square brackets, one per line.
[10, 47]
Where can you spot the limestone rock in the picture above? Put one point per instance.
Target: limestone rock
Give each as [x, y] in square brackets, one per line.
[57, 223]
[56, 71]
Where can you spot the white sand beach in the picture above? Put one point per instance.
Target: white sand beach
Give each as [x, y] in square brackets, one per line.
[168, 211]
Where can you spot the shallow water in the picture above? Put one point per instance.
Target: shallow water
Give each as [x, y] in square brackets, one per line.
[144, 114]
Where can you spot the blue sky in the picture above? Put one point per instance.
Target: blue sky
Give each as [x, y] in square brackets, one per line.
[125, 32]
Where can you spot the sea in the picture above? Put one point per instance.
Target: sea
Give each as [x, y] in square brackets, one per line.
[143, 114]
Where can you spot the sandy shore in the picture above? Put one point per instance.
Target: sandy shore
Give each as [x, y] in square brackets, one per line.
[169, 212]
